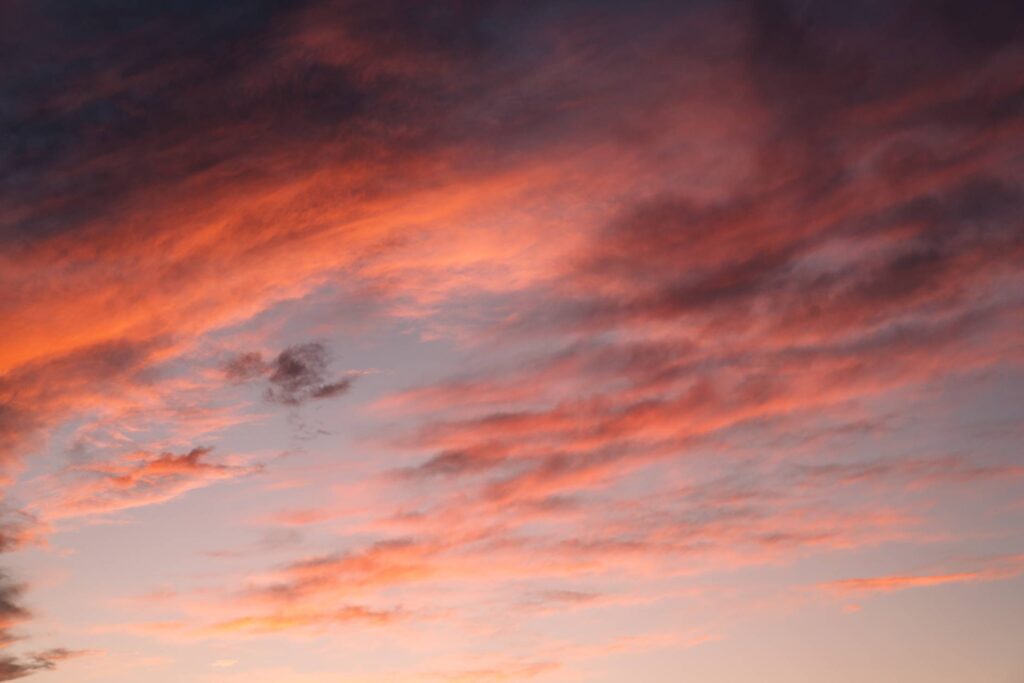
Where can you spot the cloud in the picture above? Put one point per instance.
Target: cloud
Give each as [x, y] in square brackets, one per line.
[995, 569]
[296, 375]
[300, 619]
[11, 611]
[12, 668]
[17, 528]
[505, 671]
[35, 395]
[135, 480]
[869, 240]
[677, 279]
[487, 544]
[916, 472]
[629, 414]
[12, 614]
[246, 366]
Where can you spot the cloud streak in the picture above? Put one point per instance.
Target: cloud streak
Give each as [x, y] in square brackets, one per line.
[136, 480]
[996, 569]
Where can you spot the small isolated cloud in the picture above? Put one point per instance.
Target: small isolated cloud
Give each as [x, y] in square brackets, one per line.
[296, 375]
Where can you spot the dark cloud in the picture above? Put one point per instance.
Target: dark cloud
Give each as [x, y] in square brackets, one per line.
[13, 528]
[105, 100]
[12, 613]
[12, 668]
[246, 366]
[11, 610]
[162, 64]
[332, 389]
[150, 79]
[298, 374]
[976, 222]
[977, 27]
[927, 171]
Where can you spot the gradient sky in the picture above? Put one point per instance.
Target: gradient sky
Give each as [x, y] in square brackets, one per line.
[378, 341]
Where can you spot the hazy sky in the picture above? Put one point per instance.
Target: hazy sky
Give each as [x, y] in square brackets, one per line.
[370, 341]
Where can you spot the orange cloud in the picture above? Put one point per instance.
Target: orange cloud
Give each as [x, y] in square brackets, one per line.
[135, 480]
[995, 570]
[292, 619]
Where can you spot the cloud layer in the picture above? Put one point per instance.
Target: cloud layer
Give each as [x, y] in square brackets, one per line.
[644, 299]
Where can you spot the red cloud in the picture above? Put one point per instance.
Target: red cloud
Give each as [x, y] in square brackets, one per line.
[135, 480]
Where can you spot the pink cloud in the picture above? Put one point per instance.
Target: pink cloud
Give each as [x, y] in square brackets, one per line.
[135, 480]
[995, 569]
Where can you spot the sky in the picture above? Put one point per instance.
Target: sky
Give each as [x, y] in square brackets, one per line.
[600, 341]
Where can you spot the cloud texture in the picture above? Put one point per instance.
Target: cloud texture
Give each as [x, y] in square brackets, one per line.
[674, 313]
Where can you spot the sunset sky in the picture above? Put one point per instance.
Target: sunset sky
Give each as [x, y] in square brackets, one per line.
[577, 341]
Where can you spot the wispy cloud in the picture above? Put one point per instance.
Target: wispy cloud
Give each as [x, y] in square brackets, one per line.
[135, 480]
[994, 569]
